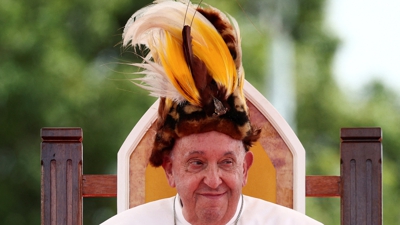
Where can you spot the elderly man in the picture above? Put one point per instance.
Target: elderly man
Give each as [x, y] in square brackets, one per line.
[209, 171]
[203, 129]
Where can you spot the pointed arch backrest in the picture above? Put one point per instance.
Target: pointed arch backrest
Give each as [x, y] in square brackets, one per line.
[283, 163]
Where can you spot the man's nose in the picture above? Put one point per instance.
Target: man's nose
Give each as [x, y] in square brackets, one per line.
[212, 177]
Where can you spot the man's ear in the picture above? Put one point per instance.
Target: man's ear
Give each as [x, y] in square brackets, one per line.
[167, 165]
[247, 162]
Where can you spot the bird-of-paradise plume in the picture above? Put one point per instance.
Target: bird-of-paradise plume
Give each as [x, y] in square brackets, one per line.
[194, 64]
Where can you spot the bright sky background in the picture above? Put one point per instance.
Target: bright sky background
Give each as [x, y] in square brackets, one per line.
[370, 34]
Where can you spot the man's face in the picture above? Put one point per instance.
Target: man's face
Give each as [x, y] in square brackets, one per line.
[208, 171]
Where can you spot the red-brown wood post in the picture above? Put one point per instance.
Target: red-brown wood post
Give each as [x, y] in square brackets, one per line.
[361, 174]
[61, 159]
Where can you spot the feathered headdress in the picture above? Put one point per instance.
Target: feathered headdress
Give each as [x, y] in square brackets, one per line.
[194, 64]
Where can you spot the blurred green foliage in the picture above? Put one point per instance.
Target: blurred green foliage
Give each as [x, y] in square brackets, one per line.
[61, 64]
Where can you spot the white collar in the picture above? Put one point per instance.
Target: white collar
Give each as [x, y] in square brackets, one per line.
[180, 219]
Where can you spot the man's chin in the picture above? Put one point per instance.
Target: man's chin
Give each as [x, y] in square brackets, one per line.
[212, 204]
[211, 214]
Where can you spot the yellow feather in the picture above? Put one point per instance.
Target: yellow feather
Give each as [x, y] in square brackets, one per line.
[173, 61]
[215, 55]
[241, 87]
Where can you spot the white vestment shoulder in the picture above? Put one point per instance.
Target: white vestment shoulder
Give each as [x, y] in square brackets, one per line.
[260, 212]
[157, 212]
[255, 212]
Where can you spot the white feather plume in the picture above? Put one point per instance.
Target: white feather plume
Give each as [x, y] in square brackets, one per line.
[156, 82]
[146, 26]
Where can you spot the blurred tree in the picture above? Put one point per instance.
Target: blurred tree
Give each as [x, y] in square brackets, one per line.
[57, 68]
[61, 65]
[323, 109]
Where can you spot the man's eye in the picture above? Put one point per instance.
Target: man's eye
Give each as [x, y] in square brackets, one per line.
[227, 162]
[196, 163]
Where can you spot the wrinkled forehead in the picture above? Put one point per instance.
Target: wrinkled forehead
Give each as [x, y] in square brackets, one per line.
[204, 143]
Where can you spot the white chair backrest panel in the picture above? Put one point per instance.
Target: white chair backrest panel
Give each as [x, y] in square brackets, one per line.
[261, 103]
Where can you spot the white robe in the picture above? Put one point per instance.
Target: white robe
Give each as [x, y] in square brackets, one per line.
[255, 212]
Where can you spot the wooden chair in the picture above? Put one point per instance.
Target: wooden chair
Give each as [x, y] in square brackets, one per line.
[278, 153]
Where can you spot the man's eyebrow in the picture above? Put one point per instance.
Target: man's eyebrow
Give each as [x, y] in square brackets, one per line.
[229, 153]
[199, 152]
[195, 152]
